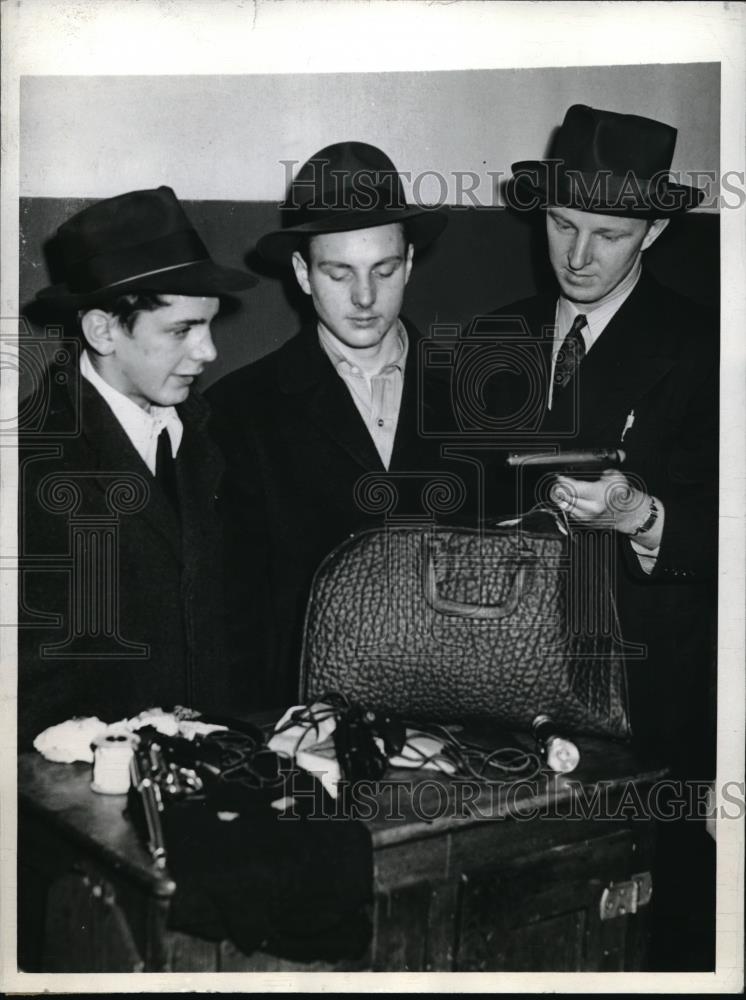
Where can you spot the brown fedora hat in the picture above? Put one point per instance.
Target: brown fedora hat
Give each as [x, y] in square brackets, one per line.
[343, 187]
[138, 241]
[605, 162]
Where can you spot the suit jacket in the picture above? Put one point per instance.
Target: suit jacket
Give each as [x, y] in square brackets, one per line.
[119, 596]
[657, 360]
[297, 455]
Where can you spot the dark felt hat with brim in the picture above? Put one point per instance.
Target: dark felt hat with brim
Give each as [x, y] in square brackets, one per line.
[344, 187]
[604, 162]
[138, 241]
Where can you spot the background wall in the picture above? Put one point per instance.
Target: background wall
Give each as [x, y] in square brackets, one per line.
[218, 141]
[223, 137]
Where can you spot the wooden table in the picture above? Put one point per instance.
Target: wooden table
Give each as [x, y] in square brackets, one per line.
[522, 877]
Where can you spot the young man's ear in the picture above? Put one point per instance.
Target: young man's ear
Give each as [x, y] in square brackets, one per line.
[656, 228]
[97, 330]
[408, 262]
[301, 271]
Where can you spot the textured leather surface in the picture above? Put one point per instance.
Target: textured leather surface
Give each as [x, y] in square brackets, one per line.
[379, 631]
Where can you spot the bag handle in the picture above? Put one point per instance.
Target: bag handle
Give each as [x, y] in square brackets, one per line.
[479, 612]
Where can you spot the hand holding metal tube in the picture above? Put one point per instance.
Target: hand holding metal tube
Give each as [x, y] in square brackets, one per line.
[578, 459]
[608, 497]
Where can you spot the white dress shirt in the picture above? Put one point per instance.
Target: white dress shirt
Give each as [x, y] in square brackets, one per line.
[377, 395]
[141, 426]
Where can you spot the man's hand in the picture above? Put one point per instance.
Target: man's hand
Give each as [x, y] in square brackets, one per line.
[609, 500]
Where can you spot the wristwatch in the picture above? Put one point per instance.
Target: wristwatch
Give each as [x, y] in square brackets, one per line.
[649, 521]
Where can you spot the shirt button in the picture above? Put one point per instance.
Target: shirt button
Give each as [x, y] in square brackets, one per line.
[380, 422]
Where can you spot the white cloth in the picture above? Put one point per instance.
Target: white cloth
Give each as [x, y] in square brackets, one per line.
[311, 745]
[71, 740]
[141, 426]
[377, 395]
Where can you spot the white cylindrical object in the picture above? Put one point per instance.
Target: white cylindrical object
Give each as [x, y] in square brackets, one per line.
[562, 756]
[111, 763]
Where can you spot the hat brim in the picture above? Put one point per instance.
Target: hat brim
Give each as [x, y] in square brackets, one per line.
[423, 226]
[537, 184]
[200, 278]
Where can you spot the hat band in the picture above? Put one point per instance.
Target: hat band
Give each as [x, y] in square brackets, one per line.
[159, 270]
[115, 267]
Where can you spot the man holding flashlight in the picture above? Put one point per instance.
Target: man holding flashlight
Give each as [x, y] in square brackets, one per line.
[630, 366]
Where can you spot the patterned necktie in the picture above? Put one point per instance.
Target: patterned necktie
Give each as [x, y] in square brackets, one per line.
[165, 469]
[571, 353]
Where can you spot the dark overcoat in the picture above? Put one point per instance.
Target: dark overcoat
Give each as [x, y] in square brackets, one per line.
[653, 370]
[120, 597]
[302, 474]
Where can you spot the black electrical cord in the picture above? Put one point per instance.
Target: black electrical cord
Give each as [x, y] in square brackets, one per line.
[457, 757]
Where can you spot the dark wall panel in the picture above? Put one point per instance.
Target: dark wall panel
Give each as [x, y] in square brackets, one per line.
[485, 258]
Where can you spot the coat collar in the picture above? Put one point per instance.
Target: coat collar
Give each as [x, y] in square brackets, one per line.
[110, 453]
[302, 364]
[308, 377]
[113, 454]
[633, 353]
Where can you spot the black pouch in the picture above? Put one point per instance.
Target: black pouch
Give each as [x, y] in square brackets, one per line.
[264, 878]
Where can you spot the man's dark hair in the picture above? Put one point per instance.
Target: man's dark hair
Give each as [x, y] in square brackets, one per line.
[126, 308]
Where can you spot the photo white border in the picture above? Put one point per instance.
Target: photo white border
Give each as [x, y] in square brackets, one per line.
[312, 36]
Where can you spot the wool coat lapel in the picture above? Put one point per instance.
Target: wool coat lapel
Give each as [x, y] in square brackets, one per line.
[628, 359]
[199, 468]
[418, 405]
[522, 336]
[112, 452]
[311, 383]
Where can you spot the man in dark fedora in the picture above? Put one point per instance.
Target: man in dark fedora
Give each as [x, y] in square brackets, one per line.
[118, 545]
[310, 429]
[629, 364]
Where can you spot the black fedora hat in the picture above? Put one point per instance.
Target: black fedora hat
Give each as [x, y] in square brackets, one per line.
[138, 241]
[343, 187]
[605, 162]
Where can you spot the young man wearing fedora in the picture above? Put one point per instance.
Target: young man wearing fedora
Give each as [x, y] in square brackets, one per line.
[309, 430]
[629, 364]
[118, 539]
